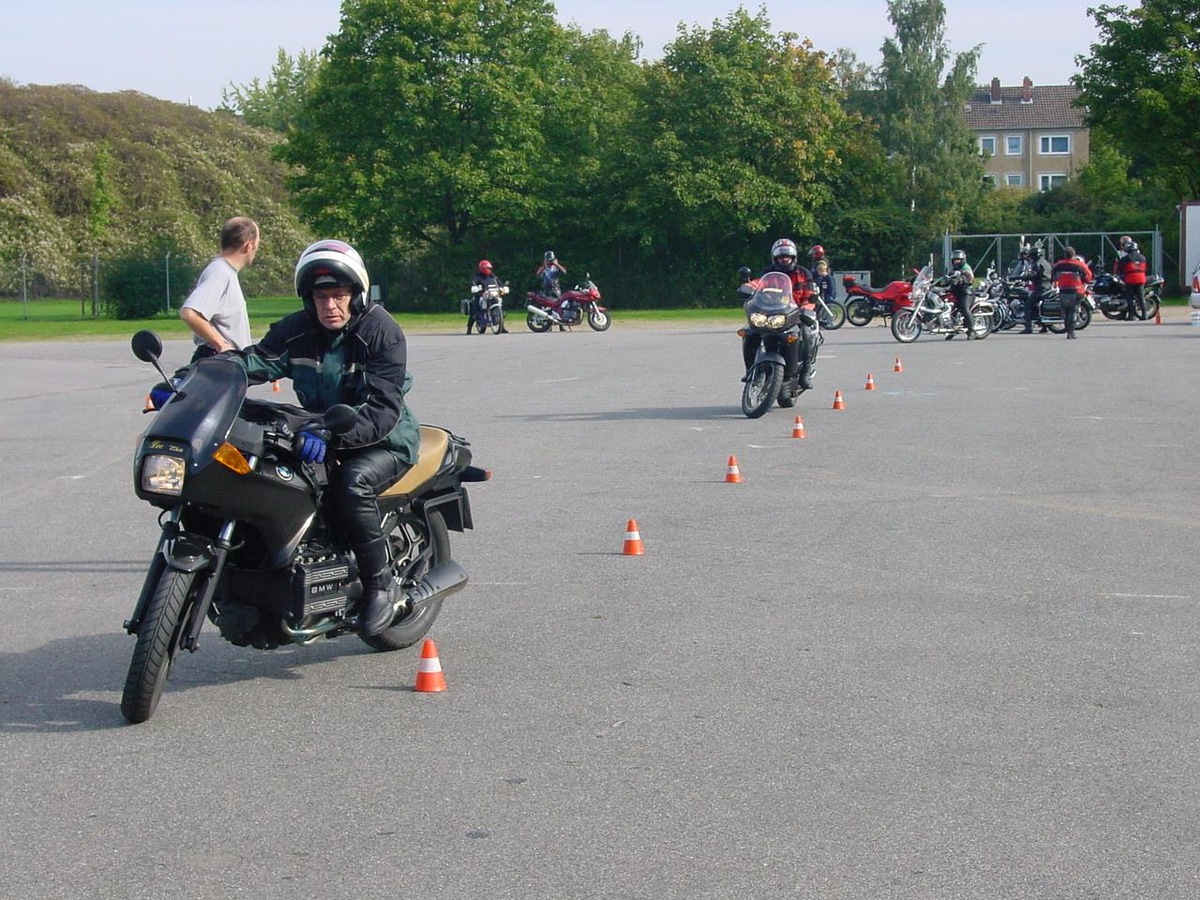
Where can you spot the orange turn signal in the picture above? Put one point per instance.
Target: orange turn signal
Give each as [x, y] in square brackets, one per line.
[231, 458]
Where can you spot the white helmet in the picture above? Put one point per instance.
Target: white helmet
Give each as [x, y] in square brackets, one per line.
[784, 247]
[337, 262]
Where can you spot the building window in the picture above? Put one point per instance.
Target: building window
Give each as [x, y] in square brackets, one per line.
[987, 146]
[1048, 182]
[1014, 179]
[1055, 144]
[1012, 145]
[989, 180]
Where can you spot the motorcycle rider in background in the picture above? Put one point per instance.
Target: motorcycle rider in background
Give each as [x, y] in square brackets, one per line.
[483, 278]
[823, 281]
[961, 277]
[1070, 275]
[1130, 265]
[547, 275]
[801, 355]
[1037, 275]
[343, 348]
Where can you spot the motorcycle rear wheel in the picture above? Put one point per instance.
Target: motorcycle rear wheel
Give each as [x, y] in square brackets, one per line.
[158, 643]
[416, 548]
[1113, 312]
[858, 312]
[1152, 306]
[538, 324]
[598, 320]
[906, 326]
[1083, 316]
[761, 389]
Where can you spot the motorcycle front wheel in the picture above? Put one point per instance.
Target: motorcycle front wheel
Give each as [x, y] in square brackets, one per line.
[158, 643]
[538, 324]
[416, 548]
[598, 319]
[496, 319]
[858, 312]
[983, 325]
[761, 389]
[906, 326]
[836, 318]
[1113, 312]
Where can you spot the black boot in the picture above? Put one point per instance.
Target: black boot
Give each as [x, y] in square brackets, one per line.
[376, 606]
[806, 381]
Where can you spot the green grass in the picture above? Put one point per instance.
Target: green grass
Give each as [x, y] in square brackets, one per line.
[50, 320]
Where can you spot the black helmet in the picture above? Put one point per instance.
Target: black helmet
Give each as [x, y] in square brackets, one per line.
[958, 257]
[744, 274]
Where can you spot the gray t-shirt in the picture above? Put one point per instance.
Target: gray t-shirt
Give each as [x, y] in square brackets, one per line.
[218, 297]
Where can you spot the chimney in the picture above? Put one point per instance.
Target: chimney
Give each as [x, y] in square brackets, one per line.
[1027, 91]
[995, 90]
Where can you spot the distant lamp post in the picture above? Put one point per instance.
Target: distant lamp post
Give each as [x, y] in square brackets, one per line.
[168, 268]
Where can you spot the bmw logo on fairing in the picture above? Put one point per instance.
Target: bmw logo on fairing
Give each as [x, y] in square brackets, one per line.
[284, 472]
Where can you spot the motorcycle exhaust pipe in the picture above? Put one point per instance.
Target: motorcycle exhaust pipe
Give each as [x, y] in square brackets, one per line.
[538, 311]
[440, 582]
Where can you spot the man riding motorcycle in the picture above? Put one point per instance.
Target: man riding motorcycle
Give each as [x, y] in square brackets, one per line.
[797, 356]
[483, 278]
[343, 348]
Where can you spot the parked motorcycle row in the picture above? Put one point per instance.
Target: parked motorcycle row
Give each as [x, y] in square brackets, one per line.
[485, 308]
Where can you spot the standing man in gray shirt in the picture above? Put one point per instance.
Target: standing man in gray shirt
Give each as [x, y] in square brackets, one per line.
[216, 308]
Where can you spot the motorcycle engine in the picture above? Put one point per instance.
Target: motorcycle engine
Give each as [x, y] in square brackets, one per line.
[321, 586]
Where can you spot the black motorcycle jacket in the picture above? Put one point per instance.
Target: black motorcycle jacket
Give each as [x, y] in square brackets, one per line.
[364, 365]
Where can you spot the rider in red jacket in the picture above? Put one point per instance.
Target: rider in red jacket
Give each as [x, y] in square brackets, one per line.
[1131, 266]
[797, 356]
[1070, 275]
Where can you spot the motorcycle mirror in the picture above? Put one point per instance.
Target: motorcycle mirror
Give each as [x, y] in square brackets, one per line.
[146, 346]
[340, 418]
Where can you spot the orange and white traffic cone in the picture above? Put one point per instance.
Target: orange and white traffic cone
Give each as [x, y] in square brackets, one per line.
[838, 402]
[149, 407]
[429, 670]
[870, 382]
[732, 475]
[798, 428]
[633, 540]
[275, 385]
[897, 367]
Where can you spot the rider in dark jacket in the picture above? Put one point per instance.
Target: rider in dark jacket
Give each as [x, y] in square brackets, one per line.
[483, 278]
[343, 348]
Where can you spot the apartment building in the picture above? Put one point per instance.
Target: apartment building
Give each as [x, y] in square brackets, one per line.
[1031, 137]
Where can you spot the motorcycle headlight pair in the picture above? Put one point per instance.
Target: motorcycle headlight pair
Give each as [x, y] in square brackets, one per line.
[762, 320]
[163, 474]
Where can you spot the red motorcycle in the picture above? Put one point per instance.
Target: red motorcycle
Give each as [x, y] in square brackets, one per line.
[570, 309]
[863, 303]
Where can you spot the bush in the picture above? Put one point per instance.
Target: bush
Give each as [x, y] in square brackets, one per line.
[136, 287]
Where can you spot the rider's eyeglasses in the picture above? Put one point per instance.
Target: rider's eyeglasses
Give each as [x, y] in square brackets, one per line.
[338, 295]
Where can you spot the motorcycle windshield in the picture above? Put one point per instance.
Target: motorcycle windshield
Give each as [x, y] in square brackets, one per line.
[772, 296]
[204, 409]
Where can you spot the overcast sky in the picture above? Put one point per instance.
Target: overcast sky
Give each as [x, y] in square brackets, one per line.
[188, 51]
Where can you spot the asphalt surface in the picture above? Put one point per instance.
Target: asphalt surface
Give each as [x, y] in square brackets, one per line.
[943, 647]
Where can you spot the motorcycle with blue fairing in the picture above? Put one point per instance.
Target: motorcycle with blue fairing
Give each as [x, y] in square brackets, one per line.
[246, 540]
[775, 319]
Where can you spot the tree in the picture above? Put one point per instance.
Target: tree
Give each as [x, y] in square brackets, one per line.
[424, 122]
[737, 139]
[1142, 86]
[277, 102]
[921, 89]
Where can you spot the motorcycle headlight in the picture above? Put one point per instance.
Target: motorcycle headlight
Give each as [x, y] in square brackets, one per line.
[163, 474]
[762, 320]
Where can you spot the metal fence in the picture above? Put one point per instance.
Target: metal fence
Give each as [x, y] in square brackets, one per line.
[1100, 248]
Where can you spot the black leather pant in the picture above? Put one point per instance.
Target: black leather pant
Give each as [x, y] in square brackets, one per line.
[1033, 302]
[1069, 301]
[354, 483]
[1135, 301]
[963, 302]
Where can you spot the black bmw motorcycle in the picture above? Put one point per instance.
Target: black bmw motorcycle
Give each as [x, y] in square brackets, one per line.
[246, 541]
[775, 319]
